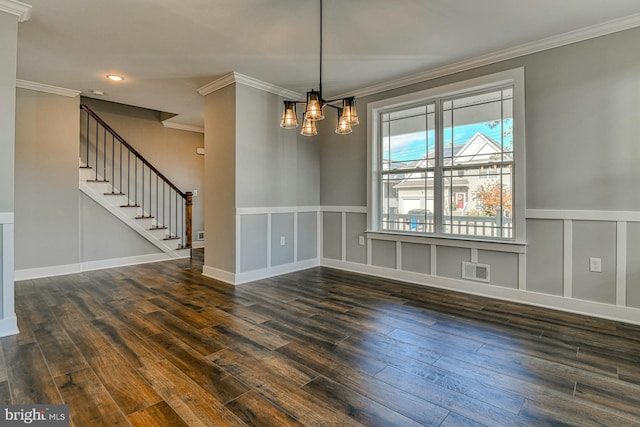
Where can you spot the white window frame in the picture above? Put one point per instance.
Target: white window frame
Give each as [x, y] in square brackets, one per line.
[514, 77]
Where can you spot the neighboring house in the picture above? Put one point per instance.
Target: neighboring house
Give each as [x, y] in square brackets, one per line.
[474, 155]
[478, 150]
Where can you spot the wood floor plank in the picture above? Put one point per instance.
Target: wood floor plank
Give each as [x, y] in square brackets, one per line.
[29, 378]
[560, 368]
[355, 379]
[158, 415]
[477, 390]
[457, 420]
[272, 367]
[505, 377]
[161, 344]
[220, 385]
[188, 334]
[454, 401]
[303, 406]
[61, 354]
[5, 393]
[390, 350]
[4, 376]
[573, 412]
[192, 403]
[126, 312]
[188, 315]
[236, 328]
[360, 408]
[621, 397]
[130, 345]
[257, 411]
[88, 400]
[127, 388]
[87, 305]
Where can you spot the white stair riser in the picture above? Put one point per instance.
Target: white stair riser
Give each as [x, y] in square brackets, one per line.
[97, 190]
[158, 234]
[144, 223]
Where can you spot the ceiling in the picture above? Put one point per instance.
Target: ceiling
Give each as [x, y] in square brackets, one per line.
[166, 49]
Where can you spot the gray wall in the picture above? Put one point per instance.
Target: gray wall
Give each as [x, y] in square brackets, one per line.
[96, 223]
[581, 116]
[46, 225]
[307, 235]
[8, 49]
[55, 223]
[253, 242]
[332, 235]
[220, 179]
[171, 151]
[416, 258]
[582, 108]
[594, 239]
[275, 166]
[383, 253]
[633, 265]
[545, 256]
[282, 227]
[356, 224]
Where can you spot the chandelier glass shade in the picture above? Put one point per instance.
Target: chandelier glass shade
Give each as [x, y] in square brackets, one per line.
[315, 104]
[289, 116]
[308, 127]
[344, 127]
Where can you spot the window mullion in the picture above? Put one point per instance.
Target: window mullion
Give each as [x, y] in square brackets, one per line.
[437, 176]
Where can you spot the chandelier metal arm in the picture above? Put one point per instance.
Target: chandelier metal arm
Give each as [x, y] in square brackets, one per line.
[324, 102]
[320, 83]
[347, 116]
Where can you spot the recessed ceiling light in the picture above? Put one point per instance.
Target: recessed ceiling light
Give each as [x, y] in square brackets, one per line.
[115, 77]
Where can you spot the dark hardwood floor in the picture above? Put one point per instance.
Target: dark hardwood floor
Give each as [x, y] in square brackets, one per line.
[161, 345]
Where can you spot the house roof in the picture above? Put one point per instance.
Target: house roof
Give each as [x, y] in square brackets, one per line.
[477, 149]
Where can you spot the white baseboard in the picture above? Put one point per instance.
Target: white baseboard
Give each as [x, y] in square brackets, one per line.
[221, 275]
[123, 262]
[61, 270]
[571, 305]
[40, 272]
[263, 273]
[9, 326]
[197, 244]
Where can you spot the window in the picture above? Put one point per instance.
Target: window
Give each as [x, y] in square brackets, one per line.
[444, 161]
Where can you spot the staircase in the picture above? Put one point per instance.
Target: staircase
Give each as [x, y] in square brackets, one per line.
[117, 177]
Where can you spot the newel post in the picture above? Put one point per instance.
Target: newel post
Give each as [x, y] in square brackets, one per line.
[188, 210]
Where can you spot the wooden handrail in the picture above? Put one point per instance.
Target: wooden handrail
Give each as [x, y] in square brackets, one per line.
[133, 150]
[186, 196]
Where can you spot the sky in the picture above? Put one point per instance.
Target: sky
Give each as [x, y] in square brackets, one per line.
[411, 146]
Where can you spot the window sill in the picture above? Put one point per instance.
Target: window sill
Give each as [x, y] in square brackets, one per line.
[453, 241]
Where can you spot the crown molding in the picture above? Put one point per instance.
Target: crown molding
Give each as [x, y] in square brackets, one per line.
[552, 42]
[14, 7]
[217, 84]
[41, 87]
[267, 87]
[234, 77]
[180, 126]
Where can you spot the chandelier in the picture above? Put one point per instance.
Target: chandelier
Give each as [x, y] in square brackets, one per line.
[346, 107]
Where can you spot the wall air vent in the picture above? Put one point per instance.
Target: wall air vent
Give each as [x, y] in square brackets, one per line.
[475, 271]
[200, 235]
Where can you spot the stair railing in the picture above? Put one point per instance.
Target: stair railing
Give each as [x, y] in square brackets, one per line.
[116, 162]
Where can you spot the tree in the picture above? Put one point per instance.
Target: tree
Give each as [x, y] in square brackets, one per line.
[488, 195]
